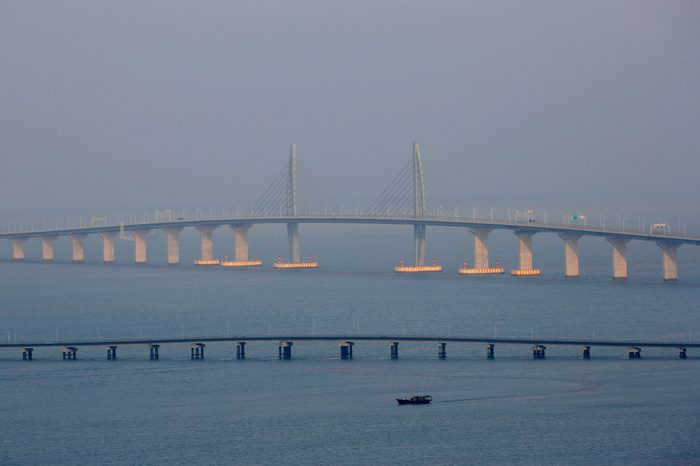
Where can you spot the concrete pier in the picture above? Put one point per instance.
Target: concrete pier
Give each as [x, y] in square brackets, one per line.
[481, 247]
[586, 352]
[538, 352]
[634, 353]
[442, 350]
[669, 260]
[490, 351]
[112, 352]
[681, 353]
[27, 354]
[420, 242]
[240, 242]
[153, 352]
[18, 249]
[619, 257]
[240, 350]
[78, 248]
[47, 248]
[346, 349]
[284, 349]
[206, 243]
[197, 351]
[172, 237]
[70, 353]
[571, 269]
[108, 247]
[140, 249]
[525, 240]
[293, 240]
[394, 350]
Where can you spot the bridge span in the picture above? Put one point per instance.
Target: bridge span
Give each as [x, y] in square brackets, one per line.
[404, 202]
[346, 343]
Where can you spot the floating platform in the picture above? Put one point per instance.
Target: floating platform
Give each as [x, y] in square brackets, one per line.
[488, 271]
[253, 263]
[295, 265]
[207, 262]
[417, 268]
[525, 272]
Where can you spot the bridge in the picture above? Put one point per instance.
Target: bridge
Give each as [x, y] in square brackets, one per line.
[346, 343]
[408, 200]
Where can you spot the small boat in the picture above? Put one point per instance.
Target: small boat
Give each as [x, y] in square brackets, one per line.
[416, 400]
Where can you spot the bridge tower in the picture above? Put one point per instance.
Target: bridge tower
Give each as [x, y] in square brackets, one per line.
[418, 207]
[293, 227]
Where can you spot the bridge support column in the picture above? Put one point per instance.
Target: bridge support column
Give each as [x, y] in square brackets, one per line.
[525, 239]
[538, 352]
[18, 249]
[153, 352]
[619, 257]
[634, 353]
[346, 349]
[78, 248]
[140, 249]
[442, 350]
[681, 353]
[419, 239]
[570, 254]
[240, 242]
[111, 353]
[172, 235]
[108, 247]
[47, 248]
[197, 351]
[293, 240]
[27, 354]
[586, 352]
[490, 350]
[206, 243]
[481, 247]
[670, 266]
[70, 353]
[240, 350]
[394, 350]
[284, 349]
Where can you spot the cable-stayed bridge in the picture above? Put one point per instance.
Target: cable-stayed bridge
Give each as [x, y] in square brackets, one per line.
[413, 198]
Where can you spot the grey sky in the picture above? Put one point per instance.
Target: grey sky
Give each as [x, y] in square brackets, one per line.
[133, 105]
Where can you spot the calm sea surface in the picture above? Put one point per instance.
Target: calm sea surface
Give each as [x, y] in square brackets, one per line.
[317, 409]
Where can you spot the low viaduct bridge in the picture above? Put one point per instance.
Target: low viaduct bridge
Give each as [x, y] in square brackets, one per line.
[404, 202]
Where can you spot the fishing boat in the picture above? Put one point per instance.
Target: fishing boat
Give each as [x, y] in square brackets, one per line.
[415, 400]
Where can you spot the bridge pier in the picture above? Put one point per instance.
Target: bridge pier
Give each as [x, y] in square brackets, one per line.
[586, 352]
[18, 249]
[442, 350]
[346, 349]
[538, 352]
[27, 354]
[78, 248]
[284, 350]
[140, 249]
[481, 247]
[240, 350]
[70, 353]
[525, 261]
[153, 352]
[108, 246]
[681, 353]
[293, 240]
[47, 248]
[619, 257]
[669, 260]
[197, 351]
[206, 243]
[490, 350]
[240, 242]
[634, 353]
[172, 237]
[419, 240]
[112, 352]
[394, 350]
[570, 254]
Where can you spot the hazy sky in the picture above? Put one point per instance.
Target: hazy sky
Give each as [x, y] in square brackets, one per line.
[134, 105]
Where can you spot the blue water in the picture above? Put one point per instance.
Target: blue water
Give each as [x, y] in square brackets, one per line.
[316, 409]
